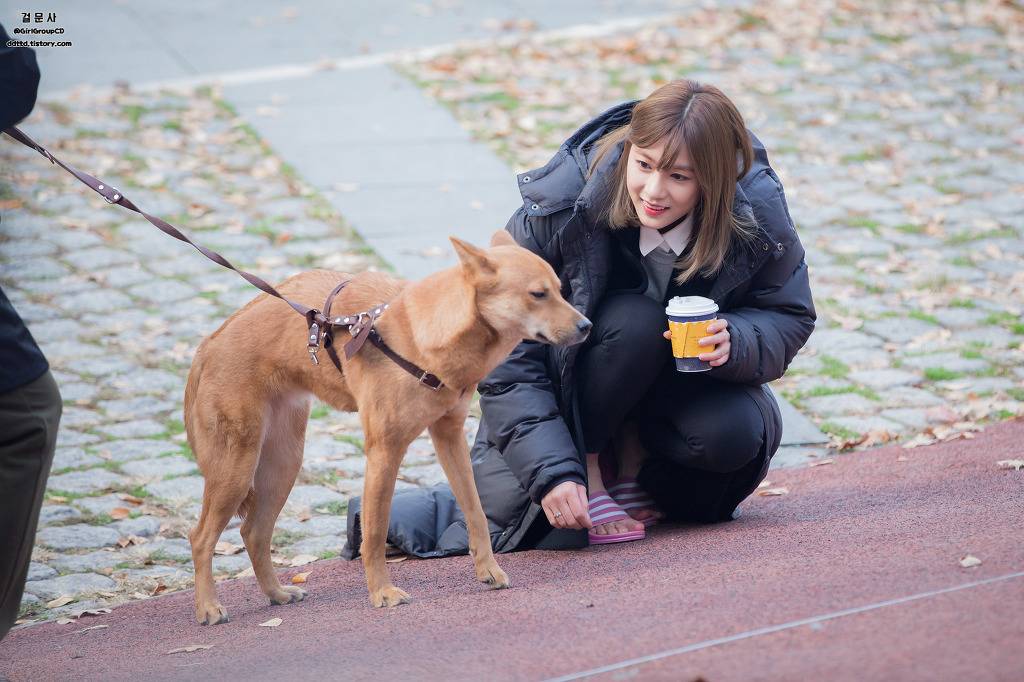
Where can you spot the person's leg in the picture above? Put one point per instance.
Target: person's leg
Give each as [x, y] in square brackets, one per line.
[708, 450]
[623, 356]
[29, 416]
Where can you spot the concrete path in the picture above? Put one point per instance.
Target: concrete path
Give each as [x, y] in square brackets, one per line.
[856, 573]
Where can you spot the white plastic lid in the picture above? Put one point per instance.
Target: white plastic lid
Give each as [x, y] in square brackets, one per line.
[691, 305]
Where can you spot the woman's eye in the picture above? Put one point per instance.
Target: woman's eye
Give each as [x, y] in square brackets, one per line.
[679, 177]
[643, 164]
[539, 294]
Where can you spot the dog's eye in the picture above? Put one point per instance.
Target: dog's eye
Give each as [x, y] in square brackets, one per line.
[539, 294]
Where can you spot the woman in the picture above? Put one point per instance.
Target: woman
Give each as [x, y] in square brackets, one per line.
[667, 197]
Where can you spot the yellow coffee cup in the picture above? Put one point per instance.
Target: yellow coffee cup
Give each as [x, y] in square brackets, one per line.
[688, 320]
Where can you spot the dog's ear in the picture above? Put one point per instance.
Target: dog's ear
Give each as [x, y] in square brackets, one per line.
[474, 259]
[502, 238]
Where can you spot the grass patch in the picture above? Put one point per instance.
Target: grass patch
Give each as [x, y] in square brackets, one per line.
[842, 432]
[336, 508]
[1002, 318]
[839, 390]
[910, 228]
[1005, 414]
[171, 125]
[319, 412]
[971, 354]
[138, 491]
[175, 426]
[962, 303]
[941, 374]
[859, 157]
[286, 537]
[328, 554]
[833, 367]
[1017, 328]
[923, 316]
[186, 452]
[1016, 393]
[358, 442]
[133, 112]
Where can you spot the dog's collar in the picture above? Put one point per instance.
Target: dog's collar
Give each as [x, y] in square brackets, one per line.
[360, 325]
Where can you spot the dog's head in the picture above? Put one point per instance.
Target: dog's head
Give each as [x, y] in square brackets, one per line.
[517, 292]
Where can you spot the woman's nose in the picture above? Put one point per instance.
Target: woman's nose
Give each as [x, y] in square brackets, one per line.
[655, 187]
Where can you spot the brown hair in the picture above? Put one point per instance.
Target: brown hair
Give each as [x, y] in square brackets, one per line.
[707, 123]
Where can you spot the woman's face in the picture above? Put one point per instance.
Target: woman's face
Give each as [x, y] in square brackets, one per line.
[661, 197]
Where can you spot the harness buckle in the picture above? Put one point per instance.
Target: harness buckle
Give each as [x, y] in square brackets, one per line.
[314, 342]
[357, 326]
[436, 386]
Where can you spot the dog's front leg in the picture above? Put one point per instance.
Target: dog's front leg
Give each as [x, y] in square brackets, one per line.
[453, 453]
[383, 460]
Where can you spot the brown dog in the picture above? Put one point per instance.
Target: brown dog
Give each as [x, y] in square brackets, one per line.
[249, 390]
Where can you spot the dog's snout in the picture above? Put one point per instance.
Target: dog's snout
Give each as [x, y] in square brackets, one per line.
[584, 326]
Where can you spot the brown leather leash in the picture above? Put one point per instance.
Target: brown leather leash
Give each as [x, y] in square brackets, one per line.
[321, 327]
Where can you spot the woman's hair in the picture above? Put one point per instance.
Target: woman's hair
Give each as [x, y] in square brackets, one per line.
[700, 118]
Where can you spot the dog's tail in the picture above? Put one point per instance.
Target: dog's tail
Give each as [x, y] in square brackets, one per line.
[247, 504]
[191, 391]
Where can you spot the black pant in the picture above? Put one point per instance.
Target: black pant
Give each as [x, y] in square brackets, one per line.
[29, 416]
[706, 438]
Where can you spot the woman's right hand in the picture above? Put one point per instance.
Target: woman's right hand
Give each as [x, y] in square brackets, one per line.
[569, 501]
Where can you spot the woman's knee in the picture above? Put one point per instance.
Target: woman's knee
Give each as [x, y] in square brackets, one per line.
[630, 320]
[719, 435]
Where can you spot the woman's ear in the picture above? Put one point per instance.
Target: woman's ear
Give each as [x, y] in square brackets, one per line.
[502, 238]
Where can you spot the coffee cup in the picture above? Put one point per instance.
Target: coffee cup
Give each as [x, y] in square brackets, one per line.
[688, 320]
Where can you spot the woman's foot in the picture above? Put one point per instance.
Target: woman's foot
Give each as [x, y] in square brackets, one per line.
[611, 523]
[635, 501]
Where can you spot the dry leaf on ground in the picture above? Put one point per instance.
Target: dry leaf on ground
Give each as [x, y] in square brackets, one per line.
[764, 484]
[190, 648]
[773, 492]
[225, 548]
[59, 601]
[300, 578]
[396, 559]
[822, 463]
[91, 627]
[65, 621]
[245, 573]
[119, 513]
[303, 559]
[272, 623]
[970, 561]
[131, 499]
[1015, 464]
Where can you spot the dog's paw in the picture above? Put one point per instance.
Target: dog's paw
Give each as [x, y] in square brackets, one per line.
[211, 614]
[495, 577]
[389, 596]
[287, 594]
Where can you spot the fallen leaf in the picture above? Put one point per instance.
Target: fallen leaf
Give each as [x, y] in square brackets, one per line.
[764, 484]
[65, 621]
[772, 492]
[901, 458]
[57, 498]
[225, 548]
[119, 513]
[1015, 464]
[92, 612]
[822, 463]
[272, 623]
[970, 561]
[300, 578]
[190, 648]
[304, 516]
[59, 601]
[131, 499]
[91, 627]
[245, 573]
[303, 559]
[24, 621]
[396, 559]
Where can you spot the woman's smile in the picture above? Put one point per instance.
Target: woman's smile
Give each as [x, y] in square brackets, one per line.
[653, 210]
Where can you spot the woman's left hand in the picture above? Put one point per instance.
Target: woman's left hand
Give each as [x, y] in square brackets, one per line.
[720, 339]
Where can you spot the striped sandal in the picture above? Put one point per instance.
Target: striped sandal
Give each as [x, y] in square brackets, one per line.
[629, 495]
[603, 509]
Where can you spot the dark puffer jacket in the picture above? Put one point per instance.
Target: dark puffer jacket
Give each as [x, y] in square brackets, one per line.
[529, 436]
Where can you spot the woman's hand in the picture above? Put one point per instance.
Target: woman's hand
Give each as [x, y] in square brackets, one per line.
[720, 339]
[566, 506]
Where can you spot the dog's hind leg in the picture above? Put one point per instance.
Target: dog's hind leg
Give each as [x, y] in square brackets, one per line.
[227, 484]
[453, 454]
[279, 464]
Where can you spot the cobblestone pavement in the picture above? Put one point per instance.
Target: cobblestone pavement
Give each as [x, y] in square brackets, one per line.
[119, 308]
[897, 131]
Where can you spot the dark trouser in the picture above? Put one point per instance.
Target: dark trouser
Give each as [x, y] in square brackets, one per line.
[28, 434]
[706, 437]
